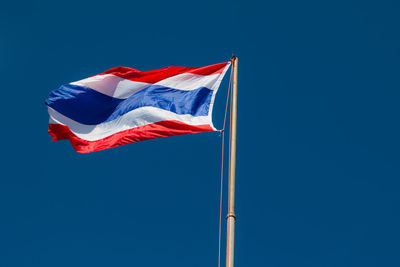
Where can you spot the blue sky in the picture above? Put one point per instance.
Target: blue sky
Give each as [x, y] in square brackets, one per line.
[318, 136]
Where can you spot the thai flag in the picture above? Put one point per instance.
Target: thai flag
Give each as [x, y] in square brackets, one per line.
[124, 105]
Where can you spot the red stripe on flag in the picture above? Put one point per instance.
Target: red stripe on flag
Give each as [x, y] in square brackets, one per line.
[154, 76]
[141, 133]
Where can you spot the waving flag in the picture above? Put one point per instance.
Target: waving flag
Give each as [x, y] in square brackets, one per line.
[124, 105]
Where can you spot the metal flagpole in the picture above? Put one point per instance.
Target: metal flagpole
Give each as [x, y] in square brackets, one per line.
[231, 217]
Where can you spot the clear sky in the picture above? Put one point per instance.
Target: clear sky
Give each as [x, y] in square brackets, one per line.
[318, 136]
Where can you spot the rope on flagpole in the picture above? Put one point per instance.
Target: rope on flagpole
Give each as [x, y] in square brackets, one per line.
[222, 131]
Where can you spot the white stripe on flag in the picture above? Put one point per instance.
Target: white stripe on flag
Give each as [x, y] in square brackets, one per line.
[112, 85]
[137, 117]
[117, 87]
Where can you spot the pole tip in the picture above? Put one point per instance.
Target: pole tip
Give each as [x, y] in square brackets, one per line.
[233, 58]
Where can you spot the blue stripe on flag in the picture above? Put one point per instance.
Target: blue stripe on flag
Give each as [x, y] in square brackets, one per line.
[90, 107]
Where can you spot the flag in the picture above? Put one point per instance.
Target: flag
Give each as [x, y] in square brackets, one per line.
[123, 105]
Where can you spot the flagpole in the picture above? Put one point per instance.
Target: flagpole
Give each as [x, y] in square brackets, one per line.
[231, 217]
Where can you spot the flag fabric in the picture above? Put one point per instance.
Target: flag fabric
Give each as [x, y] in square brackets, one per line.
[124, 105]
